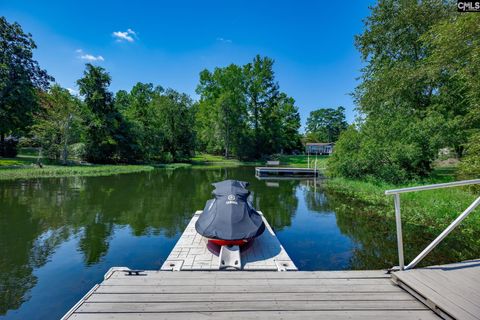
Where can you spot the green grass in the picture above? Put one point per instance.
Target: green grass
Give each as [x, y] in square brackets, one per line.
[19, 161]
[29, 172]
[209, 159]
[301, 161]
[432, 209]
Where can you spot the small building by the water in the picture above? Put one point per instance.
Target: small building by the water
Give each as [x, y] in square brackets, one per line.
[319, 148]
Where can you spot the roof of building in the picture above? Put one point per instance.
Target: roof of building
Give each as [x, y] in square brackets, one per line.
[319, 143]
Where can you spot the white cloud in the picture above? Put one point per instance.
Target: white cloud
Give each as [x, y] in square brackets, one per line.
[72, 91]
[224, 40]
[128, 35]
[88, 57]
[91, 58]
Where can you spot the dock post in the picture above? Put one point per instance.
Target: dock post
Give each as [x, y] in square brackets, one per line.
[398, 218]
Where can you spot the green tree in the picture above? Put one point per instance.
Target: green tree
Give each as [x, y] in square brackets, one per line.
[453, 66]
[222, 115]
[325, 125]
[108, 139]
[20, 79]
[138, 109]
[261, 92]
[176, 117]
[470, 164]
[242, 113]
[401, 127]
[58, 123]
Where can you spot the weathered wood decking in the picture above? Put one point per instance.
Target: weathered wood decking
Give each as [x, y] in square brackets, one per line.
[285, 171]
[191, 252]
[452, 290]
[449, 291]
[249, 295]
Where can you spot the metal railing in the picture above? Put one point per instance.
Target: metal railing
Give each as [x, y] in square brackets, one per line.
[398, 219]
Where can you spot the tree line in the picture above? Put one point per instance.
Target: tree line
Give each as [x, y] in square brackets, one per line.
[419, 93]
[241, 112]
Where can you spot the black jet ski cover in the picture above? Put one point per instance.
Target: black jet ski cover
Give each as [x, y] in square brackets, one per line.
[230, 216]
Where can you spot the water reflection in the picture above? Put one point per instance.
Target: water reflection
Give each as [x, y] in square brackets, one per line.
[59, 236]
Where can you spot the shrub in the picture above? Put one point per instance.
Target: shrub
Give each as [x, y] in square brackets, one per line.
[470, 165]
[8, 148]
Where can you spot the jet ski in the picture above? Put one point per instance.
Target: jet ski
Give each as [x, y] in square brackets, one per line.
[229, 219]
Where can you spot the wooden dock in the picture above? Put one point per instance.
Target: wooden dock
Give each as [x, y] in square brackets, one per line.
[260, 291]
[286, 171]
[191, 252]
[249, 295]
[452, 290]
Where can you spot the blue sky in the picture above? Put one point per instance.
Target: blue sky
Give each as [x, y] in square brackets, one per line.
[170, 42]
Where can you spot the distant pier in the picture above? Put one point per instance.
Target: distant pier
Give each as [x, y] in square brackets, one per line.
[285, 172]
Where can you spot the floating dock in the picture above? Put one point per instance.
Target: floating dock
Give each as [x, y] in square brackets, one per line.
[285, 171]
[260, 291]
[191, 253]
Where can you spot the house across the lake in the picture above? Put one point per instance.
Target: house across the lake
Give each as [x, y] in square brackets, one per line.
[319, 147]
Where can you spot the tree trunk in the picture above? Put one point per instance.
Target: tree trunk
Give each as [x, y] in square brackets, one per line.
[2, 144]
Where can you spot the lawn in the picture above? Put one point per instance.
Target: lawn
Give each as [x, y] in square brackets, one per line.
[24, 167]
[301, 161]
[28, 172]
[205, 158]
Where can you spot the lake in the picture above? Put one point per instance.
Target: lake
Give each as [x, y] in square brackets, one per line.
[59, 236]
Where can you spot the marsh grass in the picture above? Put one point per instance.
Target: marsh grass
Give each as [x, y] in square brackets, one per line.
[433, 210]
[48, 171]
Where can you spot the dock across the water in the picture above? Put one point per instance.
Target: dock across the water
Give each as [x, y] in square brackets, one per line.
[286, 171]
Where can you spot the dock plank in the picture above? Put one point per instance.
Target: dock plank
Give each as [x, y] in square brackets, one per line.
[248, 296]
[139, 281]
[272, 305]
[239, 289]
[448, 289]
[264, 275]
[250, 315]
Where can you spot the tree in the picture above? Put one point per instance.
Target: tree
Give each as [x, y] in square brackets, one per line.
[261, 92]
[20, 79]
[108, 139]
[138, 109]
[453, 66]
[175, 114]
[326, 124]
[58, 123]
[242, 113]
[470, 165]
[222, 114]
[402, 126]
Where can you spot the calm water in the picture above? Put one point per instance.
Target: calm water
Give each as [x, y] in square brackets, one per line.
[59, 236]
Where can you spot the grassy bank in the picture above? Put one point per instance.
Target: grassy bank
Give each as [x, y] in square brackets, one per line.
[210, 159]
[24, 166]
[29, 172]
[432, 209]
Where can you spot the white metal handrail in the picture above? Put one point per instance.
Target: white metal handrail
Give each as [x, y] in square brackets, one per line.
[398, 219]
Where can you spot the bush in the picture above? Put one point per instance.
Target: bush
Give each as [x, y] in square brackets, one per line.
[8, 148]
[470, 165]
[393, 149]
[77, 151]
